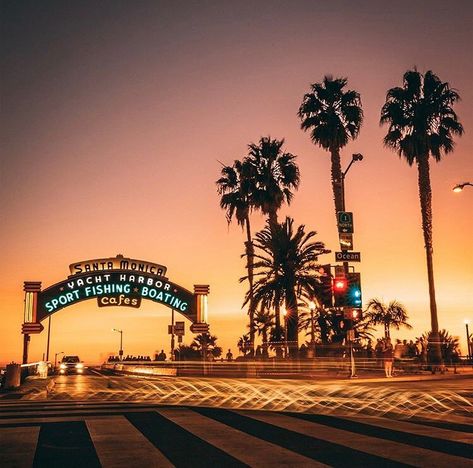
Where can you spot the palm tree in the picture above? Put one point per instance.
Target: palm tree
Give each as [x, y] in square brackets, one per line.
[274, 175]
[334, 117]
[393, 315]
[422, 123]
[235, 187]
[308, 321]
[244, 344]
[263, 323]
[206, 344]
[450, 345]
[287, 268]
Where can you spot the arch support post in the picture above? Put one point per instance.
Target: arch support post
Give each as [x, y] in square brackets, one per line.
[31, 288]
[201, 292]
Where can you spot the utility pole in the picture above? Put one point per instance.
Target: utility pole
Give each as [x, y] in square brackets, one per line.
[49, 335]
[350, 334]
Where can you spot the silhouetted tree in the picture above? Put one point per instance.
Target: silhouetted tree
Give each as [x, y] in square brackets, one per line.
[334, 117]
[275, 175]
[286, 265]
[206, 344]
[422, 123]
[244, 344]
[392, 315]
[449, 345]
[264, 320]
[236, 188]
[186, 353]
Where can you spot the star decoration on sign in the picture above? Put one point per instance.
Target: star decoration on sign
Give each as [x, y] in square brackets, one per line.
[135, 290]
[61, 288]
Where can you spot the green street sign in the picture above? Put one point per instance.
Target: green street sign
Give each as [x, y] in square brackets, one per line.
[345, 222]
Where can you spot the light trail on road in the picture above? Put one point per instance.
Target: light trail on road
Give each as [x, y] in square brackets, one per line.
[261, 394]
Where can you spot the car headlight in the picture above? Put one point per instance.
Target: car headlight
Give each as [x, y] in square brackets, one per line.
[62, 366]
[79, 365]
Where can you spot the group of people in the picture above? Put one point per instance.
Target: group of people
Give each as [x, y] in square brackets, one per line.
[128, 358]
[385, 352]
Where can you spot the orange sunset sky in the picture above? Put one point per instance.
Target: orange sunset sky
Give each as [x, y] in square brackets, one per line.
[113, 117]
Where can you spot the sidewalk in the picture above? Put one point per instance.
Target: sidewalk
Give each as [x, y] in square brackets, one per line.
[449, 375]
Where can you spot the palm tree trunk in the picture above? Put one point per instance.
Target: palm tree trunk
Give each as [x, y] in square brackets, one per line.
[277, 321]
[265, 341]
[425, 194]
[273, 220]
[337, 182]
[292, 322]
[250, 262]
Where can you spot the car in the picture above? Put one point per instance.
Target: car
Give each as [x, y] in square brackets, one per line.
[71, 365]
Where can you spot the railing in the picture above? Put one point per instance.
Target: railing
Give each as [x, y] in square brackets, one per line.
[272, 368]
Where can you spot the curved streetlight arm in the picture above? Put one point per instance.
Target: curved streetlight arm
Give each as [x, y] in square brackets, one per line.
[354, 157]
[459, 187]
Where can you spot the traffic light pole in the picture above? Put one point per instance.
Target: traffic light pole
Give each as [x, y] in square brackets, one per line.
[349, 336]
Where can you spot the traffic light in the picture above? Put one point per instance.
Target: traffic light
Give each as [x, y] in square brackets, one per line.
[347, 291]
[340, 288]
[352, 314]
[324, 291]
[353, 295]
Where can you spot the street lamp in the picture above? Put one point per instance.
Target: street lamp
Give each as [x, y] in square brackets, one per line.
[459, 187]
[55, 358]
[120, 353]
[468, 343]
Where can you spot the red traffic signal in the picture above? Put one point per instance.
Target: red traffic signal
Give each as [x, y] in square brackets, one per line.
[340, 285]
[352, 314]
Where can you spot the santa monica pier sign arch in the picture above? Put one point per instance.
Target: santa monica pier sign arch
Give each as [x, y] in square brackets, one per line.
[115, 281]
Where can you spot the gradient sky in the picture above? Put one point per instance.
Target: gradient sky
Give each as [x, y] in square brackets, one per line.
[113, 117]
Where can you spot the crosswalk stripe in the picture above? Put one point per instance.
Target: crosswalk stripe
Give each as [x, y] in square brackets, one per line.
[65, 444]
[17, 446]
[236, 443]
[428, 442]
[180, 446]
[334, 454]
[464, 424]
[406, 426]
[394, 451]
[119, 444]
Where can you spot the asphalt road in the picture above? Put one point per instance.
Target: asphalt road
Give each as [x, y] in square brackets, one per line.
[97, 419]
[111, 434]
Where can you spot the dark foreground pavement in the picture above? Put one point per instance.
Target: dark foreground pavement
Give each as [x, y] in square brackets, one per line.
[113, 434]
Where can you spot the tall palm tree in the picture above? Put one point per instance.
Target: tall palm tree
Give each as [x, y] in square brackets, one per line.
[286, 263]
[236, 188]
[392, 315]
[422, 123]
[334, 117]
[274, 175]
